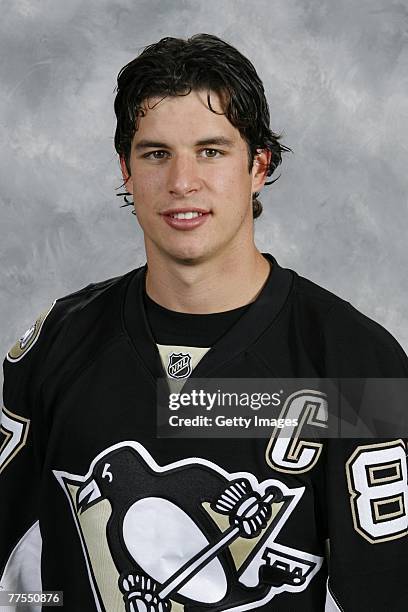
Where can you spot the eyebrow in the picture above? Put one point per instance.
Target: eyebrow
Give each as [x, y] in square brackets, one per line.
[212, 140]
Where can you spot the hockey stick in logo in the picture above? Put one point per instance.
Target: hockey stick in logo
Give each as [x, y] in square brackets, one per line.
[142, 594]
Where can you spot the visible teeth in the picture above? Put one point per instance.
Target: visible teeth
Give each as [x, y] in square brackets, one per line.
[187, 215]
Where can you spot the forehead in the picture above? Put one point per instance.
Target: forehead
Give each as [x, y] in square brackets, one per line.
[185, 116]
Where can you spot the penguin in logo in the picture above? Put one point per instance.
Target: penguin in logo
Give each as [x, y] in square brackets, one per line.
[165, 544]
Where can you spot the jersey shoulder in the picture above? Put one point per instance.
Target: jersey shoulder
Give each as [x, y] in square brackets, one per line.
[356, 343]
[55, 317]
[54, 343]
[58, 336]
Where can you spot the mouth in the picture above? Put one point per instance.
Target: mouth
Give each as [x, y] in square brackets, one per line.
[185, 218]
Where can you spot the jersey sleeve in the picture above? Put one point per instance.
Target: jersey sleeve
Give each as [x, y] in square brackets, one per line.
[20, 456]
[366, 477]
[20, 539]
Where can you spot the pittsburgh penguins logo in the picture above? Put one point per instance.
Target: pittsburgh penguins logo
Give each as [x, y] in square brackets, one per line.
[187, 536]
[179, 365]
[29, 338]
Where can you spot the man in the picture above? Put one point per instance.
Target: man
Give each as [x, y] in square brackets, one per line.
[94, 504]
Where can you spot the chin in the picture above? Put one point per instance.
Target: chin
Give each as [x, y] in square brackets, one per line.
[189, 256]
[189, 260]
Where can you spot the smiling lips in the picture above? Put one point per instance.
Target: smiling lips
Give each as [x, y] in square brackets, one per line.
[186, 218]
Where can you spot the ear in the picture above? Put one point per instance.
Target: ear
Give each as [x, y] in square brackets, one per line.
[260, 168]
[127, 179]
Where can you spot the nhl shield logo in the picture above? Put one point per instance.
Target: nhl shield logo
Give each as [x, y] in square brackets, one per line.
[179, 365]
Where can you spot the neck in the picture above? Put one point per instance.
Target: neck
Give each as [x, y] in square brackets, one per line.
[227, 282]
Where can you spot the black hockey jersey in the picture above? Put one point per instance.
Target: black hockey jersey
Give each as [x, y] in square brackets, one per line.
[94, 504]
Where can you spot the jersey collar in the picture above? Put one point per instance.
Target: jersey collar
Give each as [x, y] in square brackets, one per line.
[254, 322]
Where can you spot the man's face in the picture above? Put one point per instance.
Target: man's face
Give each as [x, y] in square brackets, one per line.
[187, 161]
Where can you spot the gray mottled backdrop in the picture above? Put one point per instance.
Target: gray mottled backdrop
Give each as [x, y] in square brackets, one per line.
[336, 74]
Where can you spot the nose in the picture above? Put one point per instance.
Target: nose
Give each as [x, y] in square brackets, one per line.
[183, 177]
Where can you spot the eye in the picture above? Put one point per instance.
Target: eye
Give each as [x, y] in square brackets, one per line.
[155, 155]
[212, 153]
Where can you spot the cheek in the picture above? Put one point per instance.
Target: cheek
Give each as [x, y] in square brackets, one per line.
[145, 186]
[229, 177]
[235, 183]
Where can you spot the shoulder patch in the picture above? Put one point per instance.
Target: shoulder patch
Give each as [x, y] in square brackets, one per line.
[27, 341]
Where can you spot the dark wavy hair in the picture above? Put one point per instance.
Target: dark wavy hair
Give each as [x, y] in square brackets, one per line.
[174, 66]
